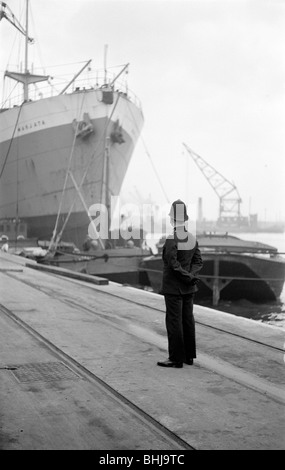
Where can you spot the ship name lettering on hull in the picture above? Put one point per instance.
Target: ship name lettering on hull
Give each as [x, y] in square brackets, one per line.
[32, 125]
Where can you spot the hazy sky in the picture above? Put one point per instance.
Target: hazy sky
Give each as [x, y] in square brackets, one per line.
[209, 73]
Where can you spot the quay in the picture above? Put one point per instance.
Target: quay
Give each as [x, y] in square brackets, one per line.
[78, 370]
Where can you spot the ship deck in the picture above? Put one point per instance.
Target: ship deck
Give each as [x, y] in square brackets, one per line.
[78, 370]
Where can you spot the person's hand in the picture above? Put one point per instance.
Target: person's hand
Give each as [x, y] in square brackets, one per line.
[195, 281]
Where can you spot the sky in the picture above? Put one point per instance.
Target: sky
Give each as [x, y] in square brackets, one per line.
[209, 73]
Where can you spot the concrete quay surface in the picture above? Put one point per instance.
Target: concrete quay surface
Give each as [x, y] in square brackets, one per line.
[78, 371]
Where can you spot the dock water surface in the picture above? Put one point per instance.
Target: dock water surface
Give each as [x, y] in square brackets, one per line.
[78, 370]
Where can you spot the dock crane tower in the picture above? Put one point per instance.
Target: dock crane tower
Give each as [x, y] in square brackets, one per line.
[230, 200]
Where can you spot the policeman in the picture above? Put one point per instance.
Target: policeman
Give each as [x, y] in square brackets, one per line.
[181, 262]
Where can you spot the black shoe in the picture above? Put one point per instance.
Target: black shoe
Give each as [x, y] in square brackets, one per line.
[169, 363]
[189, 361]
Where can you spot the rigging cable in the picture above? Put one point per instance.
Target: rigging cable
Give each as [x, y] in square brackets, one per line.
[66, 178]
[11, 140]
[3, 104]
[148, 154]
[20, 108]
[85, 173]
[37, 42]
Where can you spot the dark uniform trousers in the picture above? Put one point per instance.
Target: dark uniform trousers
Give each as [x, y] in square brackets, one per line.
[180, 326]
[179, 285]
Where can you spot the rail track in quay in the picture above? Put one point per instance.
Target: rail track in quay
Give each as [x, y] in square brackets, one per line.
[144, 418]
[111, 336]
[100, 291]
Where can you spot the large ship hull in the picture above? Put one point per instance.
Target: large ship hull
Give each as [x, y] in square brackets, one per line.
[51, 146]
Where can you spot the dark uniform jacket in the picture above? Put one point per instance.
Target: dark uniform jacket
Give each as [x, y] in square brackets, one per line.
[181, 262]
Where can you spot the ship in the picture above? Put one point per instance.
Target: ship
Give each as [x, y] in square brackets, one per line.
[61, 154]
[233, 269]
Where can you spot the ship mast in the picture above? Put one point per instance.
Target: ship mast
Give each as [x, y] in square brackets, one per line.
[26, 88]
[25, 78]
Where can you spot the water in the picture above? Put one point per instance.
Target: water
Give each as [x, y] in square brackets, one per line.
[272, 313]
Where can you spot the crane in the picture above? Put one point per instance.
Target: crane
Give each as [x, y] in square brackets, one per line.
[227, 192]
